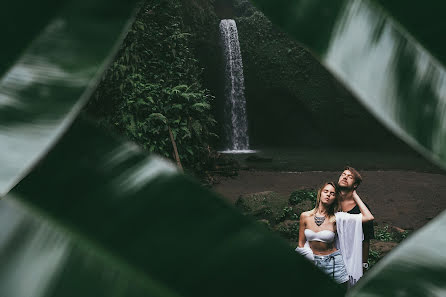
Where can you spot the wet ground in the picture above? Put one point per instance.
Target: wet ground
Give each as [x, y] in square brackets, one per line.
[402, 189]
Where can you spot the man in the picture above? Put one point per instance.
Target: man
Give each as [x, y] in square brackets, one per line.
[348, 182]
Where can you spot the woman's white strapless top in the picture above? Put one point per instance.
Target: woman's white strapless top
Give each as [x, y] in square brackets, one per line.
[323, 236]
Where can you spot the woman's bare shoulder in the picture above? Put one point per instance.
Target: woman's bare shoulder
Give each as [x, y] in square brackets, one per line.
[306, 214]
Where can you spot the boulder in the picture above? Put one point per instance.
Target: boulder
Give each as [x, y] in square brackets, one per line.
[265, 205]
[288, 229]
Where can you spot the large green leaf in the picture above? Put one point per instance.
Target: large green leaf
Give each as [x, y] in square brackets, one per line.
[53, 72]
[415, 268]
[97, 216]
[382, 56]
[16, 35]
[40, 259]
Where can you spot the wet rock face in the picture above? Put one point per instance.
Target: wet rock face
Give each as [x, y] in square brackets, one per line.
[291, 98]
[224, 9]
[265, 205]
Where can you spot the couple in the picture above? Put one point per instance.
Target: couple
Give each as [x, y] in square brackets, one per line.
[331, 235]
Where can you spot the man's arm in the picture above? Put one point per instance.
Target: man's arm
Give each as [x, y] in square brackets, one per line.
[368, 229]
[366, 214]
[369, 233]
[365, 252]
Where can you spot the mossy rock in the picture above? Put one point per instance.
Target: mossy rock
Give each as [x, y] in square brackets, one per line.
[287, 213]
[303, 206]
[264, 205]
[399, 234]
[288, 229]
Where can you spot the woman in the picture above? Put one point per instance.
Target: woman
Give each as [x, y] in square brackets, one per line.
[318, 228]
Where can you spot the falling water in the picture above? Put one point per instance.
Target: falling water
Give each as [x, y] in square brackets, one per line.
[236, 124]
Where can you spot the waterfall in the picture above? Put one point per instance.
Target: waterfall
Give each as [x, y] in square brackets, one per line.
[236, 123]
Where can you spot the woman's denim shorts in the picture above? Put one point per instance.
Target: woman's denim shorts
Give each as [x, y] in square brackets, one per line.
[332, 265]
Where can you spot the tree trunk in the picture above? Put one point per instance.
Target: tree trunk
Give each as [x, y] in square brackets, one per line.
[177, 157]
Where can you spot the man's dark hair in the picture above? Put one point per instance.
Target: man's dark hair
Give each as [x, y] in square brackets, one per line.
[356, 175]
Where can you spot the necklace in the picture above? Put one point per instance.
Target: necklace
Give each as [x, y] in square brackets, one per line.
[319, 220]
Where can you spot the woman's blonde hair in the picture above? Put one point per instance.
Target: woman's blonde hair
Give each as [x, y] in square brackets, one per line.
[334, 207]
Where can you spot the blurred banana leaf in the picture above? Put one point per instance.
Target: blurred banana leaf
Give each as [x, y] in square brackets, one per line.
[391, 54]
[19, 34]
[417, 267]
[50, 63]
[99, 218]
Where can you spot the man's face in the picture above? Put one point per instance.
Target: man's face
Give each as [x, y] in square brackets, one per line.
[346, 180]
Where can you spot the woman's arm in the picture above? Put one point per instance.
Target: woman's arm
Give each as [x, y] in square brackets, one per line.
[302, 226]
[366, 214]
[301, 249]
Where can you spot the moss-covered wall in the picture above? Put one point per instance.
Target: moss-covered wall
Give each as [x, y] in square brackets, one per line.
[202, 18]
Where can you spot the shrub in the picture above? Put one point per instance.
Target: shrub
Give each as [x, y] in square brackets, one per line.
[153, 88]
[301, 195]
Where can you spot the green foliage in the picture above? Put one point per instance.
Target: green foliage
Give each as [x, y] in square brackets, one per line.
[392, 236]
[275, 211]
[374, 257]
[268, 211]
[402, 236]
[383, 234]
[286, 213]
[154, 84]
[386, 233]
[299, 196]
